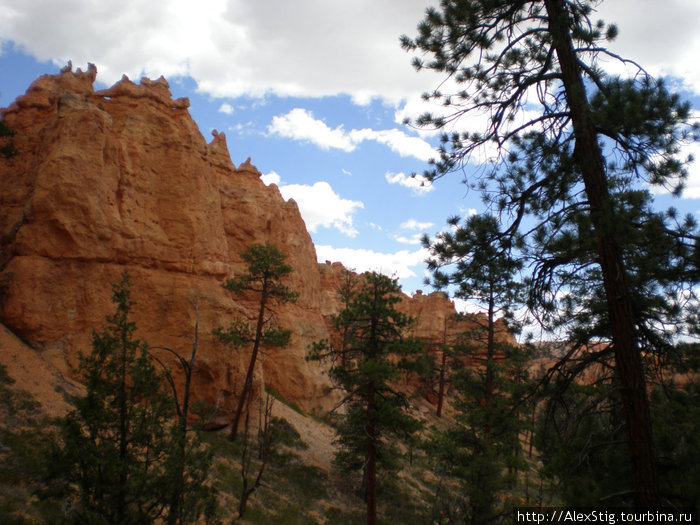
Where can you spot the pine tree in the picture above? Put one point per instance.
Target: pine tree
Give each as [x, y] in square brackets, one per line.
[482, 450]
[476, 258]
[581, 442]
[189, 461]
[24, 429]
[116, 443]
[366, 370]
[266, 270]
[570, 176]
[7, 149]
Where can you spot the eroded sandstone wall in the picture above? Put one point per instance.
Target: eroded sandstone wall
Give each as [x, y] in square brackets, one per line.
[122, 179]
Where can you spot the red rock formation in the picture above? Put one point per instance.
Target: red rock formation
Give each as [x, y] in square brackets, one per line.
[122, 179]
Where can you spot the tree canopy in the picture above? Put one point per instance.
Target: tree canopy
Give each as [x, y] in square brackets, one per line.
[576, 153]
[266, 270]
[367, 364]
[478, 261]
[122, 455]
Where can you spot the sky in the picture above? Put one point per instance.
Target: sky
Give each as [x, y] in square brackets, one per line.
[316, 93]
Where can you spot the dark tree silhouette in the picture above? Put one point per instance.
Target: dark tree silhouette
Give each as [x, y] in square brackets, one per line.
[570, 175]
[477, 262]
[266, 269]
[373, 332]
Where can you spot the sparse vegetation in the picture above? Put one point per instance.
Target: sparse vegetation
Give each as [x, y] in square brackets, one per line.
[377, 416]
[7, 148]
[266, 475]
[266, 269]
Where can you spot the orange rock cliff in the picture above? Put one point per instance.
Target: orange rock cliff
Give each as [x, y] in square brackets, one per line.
[122, 179]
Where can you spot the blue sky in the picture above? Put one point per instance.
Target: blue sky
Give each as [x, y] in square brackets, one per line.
[315, 93]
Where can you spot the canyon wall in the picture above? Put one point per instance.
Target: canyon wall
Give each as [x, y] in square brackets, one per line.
[121, 179]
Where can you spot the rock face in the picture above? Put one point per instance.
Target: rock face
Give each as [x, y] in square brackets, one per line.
[433, 314]
[434, 321]
[121, 179]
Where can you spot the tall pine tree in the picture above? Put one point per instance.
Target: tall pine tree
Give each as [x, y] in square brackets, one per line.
[117, 442]
[266, 271]
[367, 366]
[482, 450]
[568, 176]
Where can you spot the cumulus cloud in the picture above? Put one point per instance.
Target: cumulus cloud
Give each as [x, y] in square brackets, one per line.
[675, 53]
[271, 178]
[413, 224]
[418, 184]
[413, 239]
[467, 306]
[321, 206]
[398, 141]
[231, 47]
[304, 48]
[226, 108]
[399, 264]
[300, 124]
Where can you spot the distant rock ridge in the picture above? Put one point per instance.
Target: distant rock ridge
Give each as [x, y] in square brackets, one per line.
[122, 179]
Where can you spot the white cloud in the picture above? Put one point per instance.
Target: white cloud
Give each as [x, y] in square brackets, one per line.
[226, 108]
[398, 141]
[238, 47]
[677, 47]
[418, 183]
[413, 239]
[318, 204]
[300, 124]
[321, 206]
[247, 128]
[413, 224]
[398, 264]
[271, 178]
[467, 306]
[230, 47]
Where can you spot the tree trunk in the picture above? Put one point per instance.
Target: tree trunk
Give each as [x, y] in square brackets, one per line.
[443, 366]
[371, 460]
[441, 384]
[372, 428]
[175, 509]
[488, 386]
[123, 425]
[248, 384]
[628, 362]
